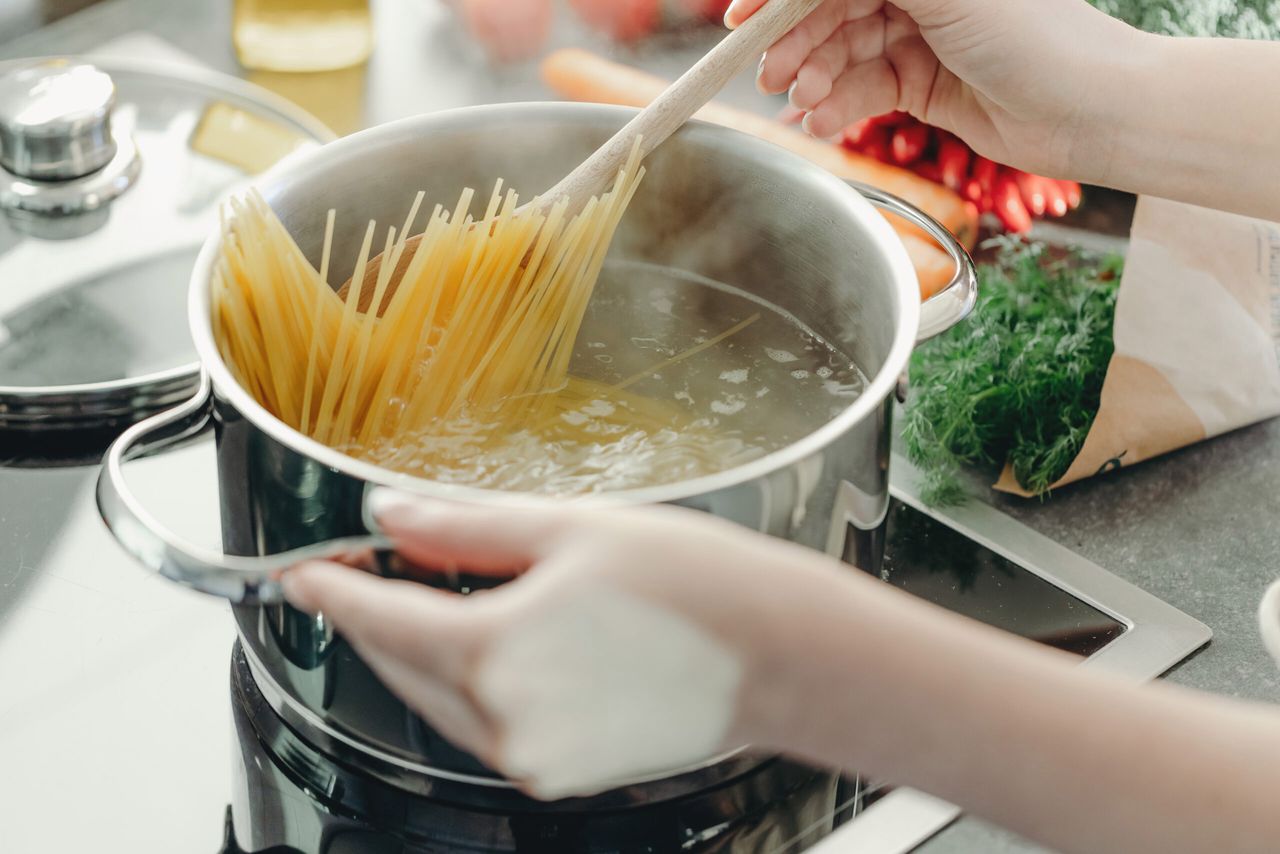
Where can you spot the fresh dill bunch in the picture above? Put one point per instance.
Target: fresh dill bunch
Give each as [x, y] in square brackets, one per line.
[1246, 19]
[1022, 379]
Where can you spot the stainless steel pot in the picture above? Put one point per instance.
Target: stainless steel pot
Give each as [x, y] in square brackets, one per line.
[716, 203]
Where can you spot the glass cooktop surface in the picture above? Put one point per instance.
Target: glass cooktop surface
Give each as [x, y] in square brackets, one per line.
[932, 560]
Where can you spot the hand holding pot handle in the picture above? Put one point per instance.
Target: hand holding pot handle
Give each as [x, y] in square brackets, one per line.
[618, 652]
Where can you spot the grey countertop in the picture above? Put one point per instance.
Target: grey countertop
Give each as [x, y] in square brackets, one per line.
[1199, 528]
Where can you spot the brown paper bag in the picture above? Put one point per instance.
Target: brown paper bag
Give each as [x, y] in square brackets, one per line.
[1197, 338]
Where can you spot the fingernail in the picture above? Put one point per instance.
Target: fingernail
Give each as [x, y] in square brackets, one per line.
[384, 503]
[760, 87]
[728, 14]
[806, 123]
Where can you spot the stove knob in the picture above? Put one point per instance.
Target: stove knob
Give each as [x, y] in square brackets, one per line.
[55, 121]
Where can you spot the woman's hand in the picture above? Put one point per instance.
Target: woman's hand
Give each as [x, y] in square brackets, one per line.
[1017, 81]
[633, 641]
[638, 641]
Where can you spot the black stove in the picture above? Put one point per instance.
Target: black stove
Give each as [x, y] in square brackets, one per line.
[290, 797]
[127, 691]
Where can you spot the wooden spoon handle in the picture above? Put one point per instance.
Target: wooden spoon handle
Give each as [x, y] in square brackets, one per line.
[682, 99]
[654, 124]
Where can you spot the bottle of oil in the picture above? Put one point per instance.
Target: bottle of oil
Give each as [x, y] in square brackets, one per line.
[302, 35]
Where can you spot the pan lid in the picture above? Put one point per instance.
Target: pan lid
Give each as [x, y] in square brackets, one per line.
[111, 174]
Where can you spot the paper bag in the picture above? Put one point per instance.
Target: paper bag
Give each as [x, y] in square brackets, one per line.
[1197, 338]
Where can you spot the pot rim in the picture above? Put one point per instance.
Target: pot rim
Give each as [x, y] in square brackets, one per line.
[864, 215]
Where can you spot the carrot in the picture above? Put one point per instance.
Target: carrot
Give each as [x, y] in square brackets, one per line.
[984, 172]
[855, 134]
[1055, 197]
[893, 120]
[929, 169]
[509, 31]
[909, 143]
[934, 269]
[620, 20]
[954, 157]
[1071, 190]
[1008, 204]
[583, 76]
[1036, 193]
[876, 144]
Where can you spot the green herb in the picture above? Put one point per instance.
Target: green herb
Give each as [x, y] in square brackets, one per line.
[1248, 19]
[1021, 380]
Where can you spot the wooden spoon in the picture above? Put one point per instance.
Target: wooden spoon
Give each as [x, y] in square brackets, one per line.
[654, 124]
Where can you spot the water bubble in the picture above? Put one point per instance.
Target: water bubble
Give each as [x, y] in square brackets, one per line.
[736, 376]
[731, 405]
[574, 418]
[780, 356]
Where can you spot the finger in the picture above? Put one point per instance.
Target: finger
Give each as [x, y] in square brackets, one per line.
[364, 559]
[868, 89]
[739, 11]
[920, 80]
[850, 45]
[815, 78]
[451, 535]
[405, 620]
[784, 57]
[783, 60]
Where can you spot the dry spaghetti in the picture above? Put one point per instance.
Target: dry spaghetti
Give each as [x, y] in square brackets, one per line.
[484, 318]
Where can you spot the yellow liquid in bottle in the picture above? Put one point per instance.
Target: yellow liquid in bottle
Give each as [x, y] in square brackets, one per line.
[302, 35]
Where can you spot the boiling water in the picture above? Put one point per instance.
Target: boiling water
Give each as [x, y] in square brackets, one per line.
[678, 414]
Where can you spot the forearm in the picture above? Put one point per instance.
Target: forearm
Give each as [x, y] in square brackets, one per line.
[1024, 736]
[1194, 120]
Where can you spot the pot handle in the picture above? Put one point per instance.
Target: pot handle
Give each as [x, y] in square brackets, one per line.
[247, 580]
[953, 303]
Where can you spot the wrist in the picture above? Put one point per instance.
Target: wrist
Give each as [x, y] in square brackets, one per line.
[1112, 122]
[803, 645]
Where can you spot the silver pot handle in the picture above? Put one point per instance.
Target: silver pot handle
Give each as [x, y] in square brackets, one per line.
[953, 303]
[248, 580]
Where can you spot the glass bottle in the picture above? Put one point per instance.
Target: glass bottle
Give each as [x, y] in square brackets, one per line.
[302, 35]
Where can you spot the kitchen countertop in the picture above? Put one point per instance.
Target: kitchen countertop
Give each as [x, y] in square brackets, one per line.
[1198, 528]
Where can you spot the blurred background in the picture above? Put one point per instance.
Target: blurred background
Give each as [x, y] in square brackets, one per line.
[356, 63]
